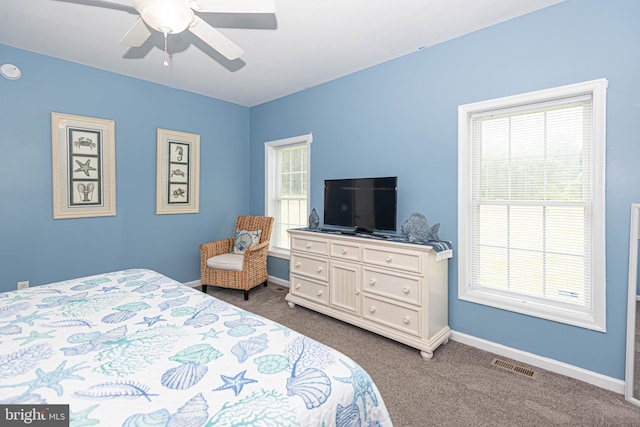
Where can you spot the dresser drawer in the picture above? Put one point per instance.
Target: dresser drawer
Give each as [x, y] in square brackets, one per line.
[393, 258]
[394, 316]
[309, 289]
[404, 288]
[316, 268]
[348, 251]
[312, 246]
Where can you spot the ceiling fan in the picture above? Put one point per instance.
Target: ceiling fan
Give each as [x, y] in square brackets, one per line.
[176, 16]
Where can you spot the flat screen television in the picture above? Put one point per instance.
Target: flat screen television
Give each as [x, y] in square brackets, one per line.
[366, 204]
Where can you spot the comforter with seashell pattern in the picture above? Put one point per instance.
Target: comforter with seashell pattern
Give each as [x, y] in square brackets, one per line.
[136, 348]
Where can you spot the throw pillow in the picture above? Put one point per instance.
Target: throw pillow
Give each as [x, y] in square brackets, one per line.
[245, 239]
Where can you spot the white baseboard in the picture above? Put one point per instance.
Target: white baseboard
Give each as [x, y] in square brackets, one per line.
[603, 381]
[193, 284]
[272, 279]
[278, 281]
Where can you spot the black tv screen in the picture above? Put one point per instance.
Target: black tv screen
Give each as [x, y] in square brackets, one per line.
[364, 203]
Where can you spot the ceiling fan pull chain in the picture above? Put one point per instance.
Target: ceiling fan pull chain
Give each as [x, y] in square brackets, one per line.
[166, 56]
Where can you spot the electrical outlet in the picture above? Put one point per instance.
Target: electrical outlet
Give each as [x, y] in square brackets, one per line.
[23, 285]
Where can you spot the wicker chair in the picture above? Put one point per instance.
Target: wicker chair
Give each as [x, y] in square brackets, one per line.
[237, 271]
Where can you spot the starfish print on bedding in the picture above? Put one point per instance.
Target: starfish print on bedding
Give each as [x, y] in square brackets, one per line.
[211, 334]
[28, 319]
[51, 379]
[84, 167]
[34, 335]
[80, 419]
[150, 321]
[235, 383]
[18, 298]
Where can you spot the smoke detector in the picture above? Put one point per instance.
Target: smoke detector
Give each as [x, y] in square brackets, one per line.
[10, 71]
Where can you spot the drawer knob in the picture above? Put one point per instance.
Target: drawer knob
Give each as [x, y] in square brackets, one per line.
[357, 291]
[372, 282]
[388, 259]
[406, 320]
[298, 285]
[297, 264]
[405, 290]
[319, 293]
[319, 270]
[308, 245]
[372, 309]
[344, 252]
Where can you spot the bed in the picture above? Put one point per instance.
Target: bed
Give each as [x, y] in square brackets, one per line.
[136, 348]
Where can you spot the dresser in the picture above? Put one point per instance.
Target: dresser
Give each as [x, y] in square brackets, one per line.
[395, 289]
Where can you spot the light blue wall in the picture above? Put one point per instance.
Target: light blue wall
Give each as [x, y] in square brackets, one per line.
[35, 247]
[400, 118]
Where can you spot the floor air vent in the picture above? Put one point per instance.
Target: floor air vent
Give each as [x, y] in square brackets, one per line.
[514, 368]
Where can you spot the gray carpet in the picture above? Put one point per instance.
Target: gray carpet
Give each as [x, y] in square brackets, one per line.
[458, 387]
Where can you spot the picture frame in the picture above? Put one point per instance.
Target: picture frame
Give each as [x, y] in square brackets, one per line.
[177, 172]
[83, 166]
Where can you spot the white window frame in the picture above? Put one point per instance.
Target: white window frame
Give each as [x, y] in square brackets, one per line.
[593, 318]
[272, 148]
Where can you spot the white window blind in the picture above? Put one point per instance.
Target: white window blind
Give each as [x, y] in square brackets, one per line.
[291, 198]
[535, 208]
[287, 188]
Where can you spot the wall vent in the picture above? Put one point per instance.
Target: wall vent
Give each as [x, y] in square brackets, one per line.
[530, 373]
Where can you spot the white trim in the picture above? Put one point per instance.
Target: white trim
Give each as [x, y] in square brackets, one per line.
[278, 281]
[193, 283]
[271, 279]
[279, 253]
[270, 148]
[595, 319]
[571, 371]
[631, 350]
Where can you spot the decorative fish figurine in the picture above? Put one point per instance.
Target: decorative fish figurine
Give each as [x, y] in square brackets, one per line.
[416, 229]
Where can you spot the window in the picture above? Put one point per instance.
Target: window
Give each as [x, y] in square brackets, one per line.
[531, 203]
[287, 187]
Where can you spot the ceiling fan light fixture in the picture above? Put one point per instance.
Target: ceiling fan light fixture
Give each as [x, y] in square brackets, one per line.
[166, 16]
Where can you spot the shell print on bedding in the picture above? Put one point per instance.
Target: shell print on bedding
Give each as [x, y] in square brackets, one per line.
[307, 381]
[206, 313]
[192, 413]
[244, 349]
[193, 366]
[174, 357]
[184, 376]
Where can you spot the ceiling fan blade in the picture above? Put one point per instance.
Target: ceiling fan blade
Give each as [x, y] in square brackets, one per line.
[137, 34]
[216, 39]
[234, 6]
[102, 3]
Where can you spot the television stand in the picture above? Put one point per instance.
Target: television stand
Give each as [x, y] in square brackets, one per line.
[395, 289]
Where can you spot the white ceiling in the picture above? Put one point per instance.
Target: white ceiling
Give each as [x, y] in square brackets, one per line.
[306, 43]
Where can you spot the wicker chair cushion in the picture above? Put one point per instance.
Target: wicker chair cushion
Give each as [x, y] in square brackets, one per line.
[226, 262]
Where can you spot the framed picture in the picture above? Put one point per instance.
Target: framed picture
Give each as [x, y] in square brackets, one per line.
[178, 172]
[84, 168]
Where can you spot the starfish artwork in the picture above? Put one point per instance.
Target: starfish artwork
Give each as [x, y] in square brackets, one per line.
[84, 167]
